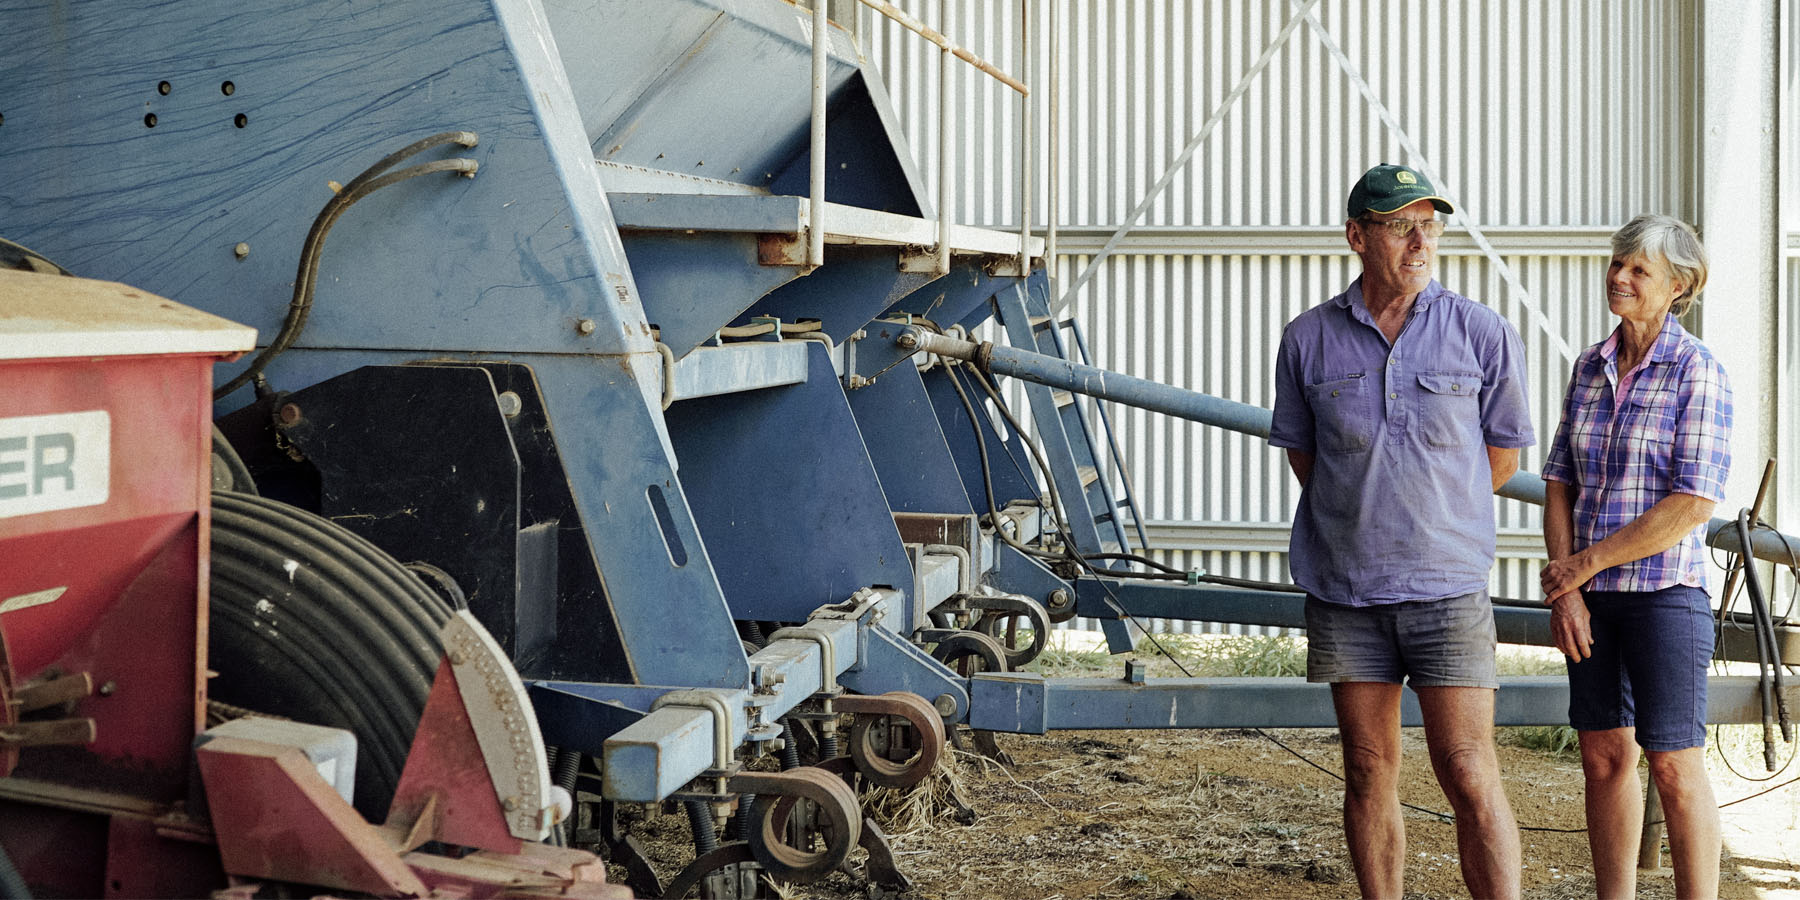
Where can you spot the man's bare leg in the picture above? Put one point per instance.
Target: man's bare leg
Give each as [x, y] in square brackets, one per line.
[1459, 729]
[1368, 715]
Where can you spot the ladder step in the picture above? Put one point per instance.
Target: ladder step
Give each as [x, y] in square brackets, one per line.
[1062, 398]
[1089, 475]
[1038, 322]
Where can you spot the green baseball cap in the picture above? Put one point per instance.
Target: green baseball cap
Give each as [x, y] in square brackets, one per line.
[1386, 188]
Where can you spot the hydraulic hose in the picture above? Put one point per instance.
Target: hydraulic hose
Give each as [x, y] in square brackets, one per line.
[706, 839]
[306, 279]
[241, 479]
[790, 751]
[565, 770]
[1767, 650]
[312, 623]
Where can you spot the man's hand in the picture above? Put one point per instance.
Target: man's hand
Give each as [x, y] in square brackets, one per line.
[1569, 626]
[1301, 463]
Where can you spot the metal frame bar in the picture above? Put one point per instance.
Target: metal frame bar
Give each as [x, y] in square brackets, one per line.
[1325, 240]
[1243, 418]
[948, 48]
[922, 30]
[1025, 146]
[1029, 704]
[821, 53]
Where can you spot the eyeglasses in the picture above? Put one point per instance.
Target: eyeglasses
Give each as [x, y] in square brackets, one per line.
[1403, 228]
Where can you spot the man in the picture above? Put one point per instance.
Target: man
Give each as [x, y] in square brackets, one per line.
[1402, 408]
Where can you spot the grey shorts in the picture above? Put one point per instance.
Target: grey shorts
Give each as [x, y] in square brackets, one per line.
[1424, 643]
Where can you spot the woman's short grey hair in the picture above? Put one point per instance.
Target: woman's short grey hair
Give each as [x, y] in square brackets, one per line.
[1672, 241]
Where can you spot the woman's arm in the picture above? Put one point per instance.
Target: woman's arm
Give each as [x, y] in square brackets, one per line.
[1658, 529]
[1559, 518]
[1569, 627]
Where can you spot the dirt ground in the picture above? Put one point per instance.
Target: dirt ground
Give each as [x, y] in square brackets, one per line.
[1165, 815]
[1156, 815]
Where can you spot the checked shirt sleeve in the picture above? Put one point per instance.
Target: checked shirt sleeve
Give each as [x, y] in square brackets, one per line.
[1702, 455]
[1559, 462]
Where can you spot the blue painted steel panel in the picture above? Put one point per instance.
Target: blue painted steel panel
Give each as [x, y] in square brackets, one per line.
[733, 104]
[1008, 461]
[615, 51]
[855, 285]
[507, 261]
[695, 284]
[959, 298]
[639, 524]
[862, 167]
[722, 89]
[568, 719]
[783, 491]
[908, 451]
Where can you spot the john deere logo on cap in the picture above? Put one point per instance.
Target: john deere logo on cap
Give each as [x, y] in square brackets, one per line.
[1405, 177]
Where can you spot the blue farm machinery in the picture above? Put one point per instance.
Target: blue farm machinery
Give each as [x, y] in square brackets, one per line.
[611, 433]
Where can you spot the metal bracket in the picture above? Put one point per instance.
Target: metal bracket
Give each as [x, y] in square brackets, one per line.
[966, 573]
[827, 653]
[723, 761]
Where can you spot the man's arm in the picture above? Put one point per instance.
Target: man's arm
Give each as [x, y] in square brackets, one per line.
[1503, 463]
[1302, 462]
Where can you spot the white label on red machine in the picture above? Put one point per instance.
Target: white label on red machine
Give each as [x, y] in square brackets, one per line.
[59, 461]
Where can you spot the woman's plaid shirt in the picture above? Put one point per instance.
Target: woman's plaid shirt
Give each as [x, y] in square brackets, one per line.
[1671, 433]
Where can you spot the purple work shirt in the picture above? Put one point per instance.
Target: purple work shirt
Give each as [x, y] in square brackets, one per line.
[1670, 435]
[1400, 502]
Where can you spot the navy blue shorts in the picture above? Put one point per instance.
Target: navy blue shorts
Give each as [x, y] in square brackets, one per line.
[1648, 668]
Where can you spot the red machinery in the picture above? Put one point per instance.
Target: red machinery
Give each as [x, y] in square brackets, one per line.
[105, 486]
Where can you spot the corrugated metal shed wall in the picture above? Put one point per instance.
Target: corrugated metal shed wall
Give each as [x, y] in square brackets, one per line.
[1552, 123]
[1789, 447]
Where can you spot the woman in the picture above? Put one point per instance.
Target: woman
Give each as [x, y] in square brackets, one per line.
[1637, 464]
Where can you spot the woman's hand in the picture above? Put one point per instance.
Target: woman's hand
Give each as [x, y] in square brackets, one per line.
[1569, 627]
[1562, 580]
[1565, 576]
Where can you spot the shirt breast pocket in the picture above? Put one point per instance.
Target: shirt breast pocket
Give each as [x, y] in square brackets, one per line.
[1648, 426]
[1341, 414]
[1450, 409]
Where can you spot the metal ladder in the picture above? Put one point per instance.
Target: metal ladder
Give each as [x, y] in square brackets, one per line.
[1089, 505]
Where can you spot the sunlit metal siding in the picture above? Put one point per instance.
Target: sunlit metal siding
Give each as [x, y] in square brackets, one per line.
[1788, 384]
[1552, 113]
[1551, 122]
